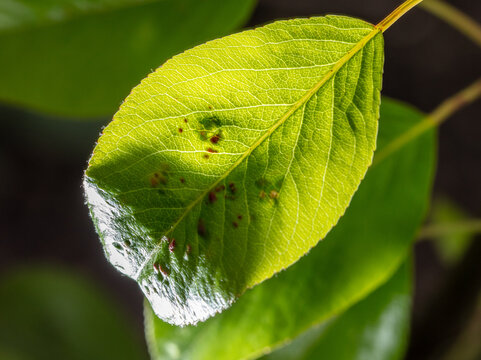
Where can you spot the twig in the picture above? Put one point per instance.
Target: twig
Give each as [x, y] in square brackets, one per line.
[439, 115]
[455, 18]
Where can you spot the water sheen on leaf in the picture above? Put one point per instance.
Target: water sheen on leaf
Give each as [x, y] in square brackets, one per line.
[233, 159]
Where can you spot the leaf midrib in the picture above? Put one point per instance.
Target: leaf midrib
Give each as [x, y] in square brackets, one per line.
[337, 66]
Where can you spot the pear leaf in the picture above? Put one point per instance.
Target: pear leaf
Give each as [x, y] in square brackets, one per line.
[233, 159]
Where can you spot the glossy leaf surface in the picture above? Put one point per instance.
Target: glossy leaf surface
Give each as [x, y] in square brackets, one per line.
[80, 58]
[234, 158]
[52, 314]
[375, 328]
[358, 255]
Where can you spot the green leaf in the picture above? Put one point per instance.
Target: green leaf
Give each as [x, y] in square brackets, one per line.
[245, 150]
[50, 314]
[375, 328]
[359, 254]
[80, 58]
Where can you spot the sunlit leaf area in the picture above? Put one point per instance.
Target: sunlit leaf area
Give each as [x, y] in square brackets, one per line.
[240, 179]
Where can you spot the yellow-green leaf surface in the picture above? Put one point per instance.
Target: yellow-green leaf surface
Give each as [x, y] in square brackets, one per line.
[375, 328]
[80, 58]
[234, 158]
[359, 254]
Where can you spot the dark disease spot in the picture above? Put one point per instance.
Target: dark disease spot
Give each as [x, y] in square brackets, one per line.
[201, 228]
[215, 139]
[172, 245]
[212, 197]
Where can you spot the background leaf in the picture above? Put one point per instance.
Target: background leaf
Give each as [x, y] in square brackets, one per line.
[246, 150]
[374, 329]
[51, 314]
[357, 256]
[451, 245]
[81, 58]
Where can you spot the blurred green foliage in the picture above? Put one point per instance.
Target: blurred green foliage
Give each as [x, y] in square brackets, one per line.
[376, 328]
[49, 313]
[451, 229]
[80, 58]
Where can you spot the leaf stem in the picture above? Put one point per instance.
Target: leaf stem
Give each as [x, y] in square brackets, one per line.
[435, 118]
[455, 18]
[396, 14]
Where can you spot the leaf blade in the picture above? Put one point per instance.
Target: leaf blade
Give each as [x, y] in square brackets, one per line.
[301, 83]
[296, 106]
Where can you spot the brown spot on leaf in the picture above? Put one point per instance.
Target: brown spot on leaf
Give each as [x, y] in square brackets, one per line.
[159, 268]
[203, 135]
[188, 249]
[164, 271]
[212, 197]
[210, 107]
[181, 130]
[160, 177]
[172, 245]
[215, 139]
[239, 217]
[201, 228]
[273, 194]
[220, 188]
[235, 224]
[206, 156]
[211, 150]
[262, 194]
[232, 188]
[182, 180]
[185, 120]
[154, 181]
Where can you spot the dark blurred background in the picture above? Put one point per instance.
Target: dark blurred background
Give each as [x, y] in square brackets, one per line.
[43, 218]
